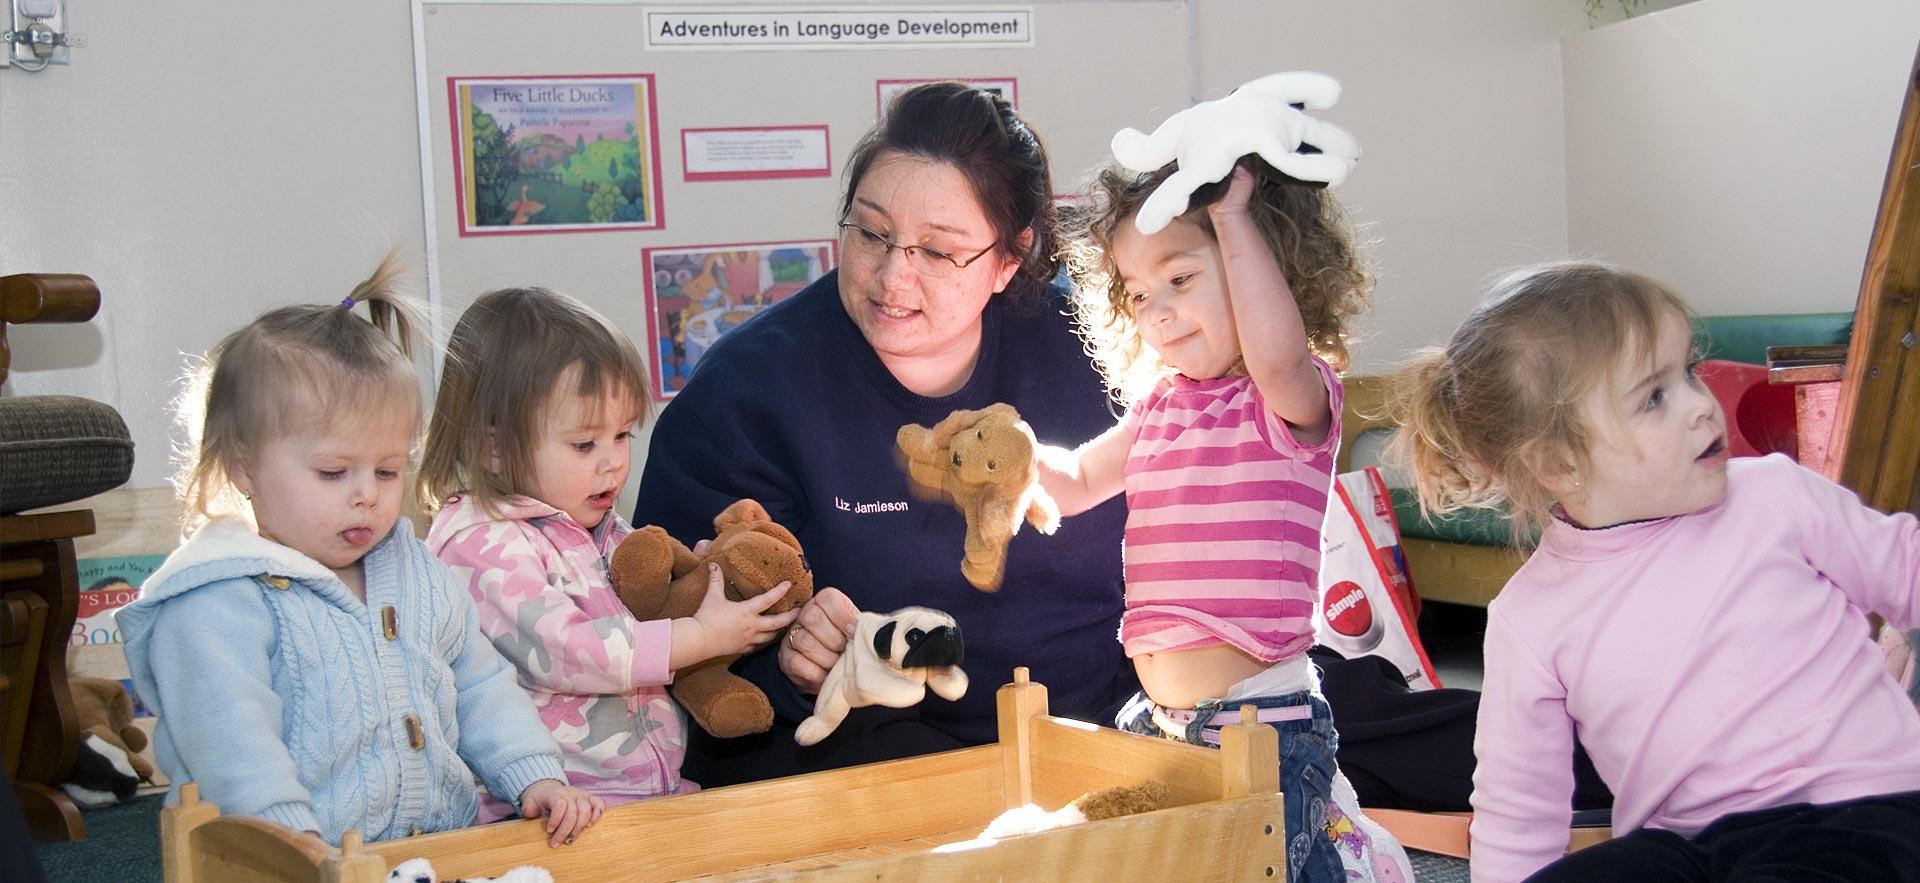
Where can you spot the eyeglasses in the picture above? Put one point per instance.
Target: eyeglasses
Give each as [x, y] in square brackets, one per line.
[924, 260]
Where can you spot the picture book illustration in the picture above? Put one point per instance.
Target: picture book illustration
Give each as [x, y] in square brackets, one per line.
[697, 294]
[553, 154]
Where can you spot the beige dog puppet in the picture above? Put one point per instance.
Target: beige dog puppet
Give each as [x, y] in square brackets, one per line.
[983, 462]
[891, 660]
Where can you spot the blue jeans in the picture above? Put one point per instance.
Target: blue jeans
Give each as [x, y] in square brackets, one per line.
[1307, 769]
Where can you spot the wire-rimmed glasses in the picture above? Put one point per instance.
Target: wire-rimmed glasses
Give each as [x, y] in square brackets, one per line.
[925, 261]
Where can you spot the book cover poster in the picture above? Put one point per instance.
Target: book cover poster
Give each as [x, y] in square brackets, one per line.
[697, 294]
[106, 585]
[556, 154]
[94, 649]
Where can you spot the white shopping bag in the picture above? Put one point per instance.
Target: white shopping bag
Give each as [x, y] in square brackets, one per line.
[1367, 602]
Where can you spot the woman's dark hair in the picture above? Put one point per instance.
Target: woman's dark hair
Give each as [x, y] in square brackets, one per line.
[978, 133]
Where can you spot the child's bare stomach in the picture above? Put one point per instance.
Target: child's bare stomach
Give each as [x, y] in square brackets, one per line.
[1182, 678]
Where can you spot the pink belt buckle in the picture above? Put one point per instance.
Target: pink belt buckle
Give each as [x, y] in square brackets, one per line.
[1211, 735]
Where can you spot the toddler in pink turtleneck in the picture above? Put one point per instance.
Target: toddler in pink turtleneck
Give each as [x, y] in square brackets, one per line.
[1699, 624]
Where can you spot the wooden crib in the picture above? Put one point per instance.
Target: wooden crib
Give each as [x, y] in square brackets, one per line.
[887, 821]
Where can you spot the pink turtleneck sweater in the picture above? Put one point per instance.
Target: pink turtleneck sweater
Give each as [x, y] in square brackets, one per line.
[1712, 663]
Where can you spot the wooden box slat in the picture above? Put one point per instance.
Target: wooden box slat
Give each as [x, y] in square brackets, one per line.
[1226, 840]
[673, 838]
[1072, 758]
[913, 819]
[242, 850]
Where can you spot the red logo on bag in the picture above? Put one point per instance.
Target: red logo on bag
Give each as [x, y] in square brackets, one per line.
[1347, 609]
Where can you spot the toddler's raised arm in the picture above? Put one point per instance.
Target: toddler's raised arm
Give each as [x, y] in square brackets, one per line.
[1273, 337]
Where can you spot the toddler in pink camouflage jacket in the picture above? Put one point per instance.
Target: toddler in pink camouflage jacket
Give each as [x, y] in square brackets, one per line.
[526, 453]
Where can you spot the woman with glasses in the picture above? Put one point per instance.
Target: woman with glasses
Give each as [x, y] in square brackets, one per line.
[941, 302]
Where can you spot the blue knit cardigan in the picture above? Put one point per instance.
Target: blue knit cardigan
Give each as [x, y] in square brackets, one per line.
[285, 697]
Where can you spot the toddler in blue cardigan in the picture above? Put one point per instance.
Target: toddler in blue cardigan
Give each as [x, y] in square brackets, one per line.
[310, 662]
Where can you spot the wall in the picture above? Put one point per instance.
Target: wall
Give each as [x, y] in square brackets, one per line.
[762, 88]
[1610, 11]
[1736, 148]
[1457, 108]
[199, 189]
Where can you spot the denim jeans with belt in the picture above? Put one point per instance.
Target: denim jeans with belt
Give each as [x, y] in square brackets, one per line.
[1307, 766]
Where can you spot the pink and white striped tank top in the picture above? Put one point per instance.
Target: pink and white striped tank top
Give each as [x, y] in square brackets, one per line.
[1224, 511]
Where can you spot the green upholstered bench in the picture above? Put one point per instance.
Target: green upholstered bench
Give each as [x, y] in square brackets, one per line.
[1467, 556]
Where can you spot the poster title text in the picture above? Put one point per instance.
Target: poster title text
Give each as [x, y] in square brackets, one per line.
[826, 29]
[551, 94]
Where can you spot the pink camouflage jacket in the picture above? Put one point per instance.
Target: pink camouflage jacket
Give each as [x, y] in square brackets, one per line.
[598, 676]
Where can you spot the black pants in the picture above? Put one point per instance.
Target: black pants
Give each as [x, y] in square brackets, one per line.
[1401, 749]
[1875, 840]
[868, 735]
[1405, 749]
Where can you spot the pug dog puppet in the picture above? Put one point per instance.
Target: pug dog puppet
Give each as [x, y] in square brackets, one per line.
[891, 660]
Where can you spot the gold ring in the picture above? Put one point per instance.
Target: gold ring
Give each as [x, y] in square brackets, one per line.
[793, 638]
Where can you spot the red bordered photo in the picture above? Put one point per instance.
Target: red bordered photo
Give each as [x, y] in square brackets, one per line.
[698, 293]
[555, 154]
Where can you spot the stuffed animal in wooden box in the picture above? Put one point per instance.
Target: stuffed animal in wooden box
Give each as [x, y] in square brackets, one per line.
[658, 577]
[983, 462]
[1108, 803]
[891, 660]
[420, 870]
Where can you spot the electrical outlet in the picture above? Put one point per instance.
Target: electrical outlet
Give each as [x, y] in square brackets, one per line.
[40, 32]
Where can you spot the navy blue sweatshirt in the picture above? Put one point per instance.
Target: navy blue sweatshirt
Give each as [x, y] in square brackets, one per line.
[794, 409]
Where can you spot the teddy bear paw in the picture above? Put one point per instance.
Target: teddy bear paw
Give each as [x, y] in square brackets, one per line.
[736, 714]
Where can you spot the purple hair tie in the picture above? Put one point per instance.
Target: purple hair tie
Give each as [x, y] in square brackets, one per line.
[347, 302]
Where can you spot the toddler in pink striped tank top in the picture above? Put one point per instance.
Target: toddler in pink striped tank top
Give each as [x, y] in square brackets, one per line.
[1220, 334]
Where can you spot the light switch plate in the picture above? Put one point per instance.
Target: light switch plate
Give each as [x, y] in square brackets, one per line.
[19, 21]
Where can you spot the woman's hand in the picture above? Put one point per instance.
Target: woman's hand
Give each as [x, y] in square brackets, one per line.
[727, 628]
[568, 810]
[817, 639]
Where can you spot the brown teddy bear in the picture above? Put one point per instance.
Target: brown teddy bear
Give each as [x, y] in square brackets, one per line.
[658, 577]
[983, 462]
